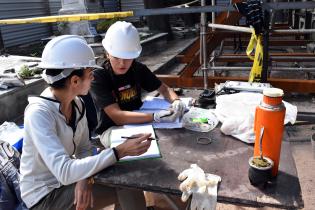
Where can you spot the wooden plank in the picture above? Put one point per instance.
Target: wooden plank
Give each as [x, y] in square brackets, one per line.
[288, 85]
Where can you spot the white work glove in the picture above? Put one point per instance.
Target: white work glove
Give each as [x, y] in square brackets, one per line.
[179, 107]
[164, 116]
[202, 187]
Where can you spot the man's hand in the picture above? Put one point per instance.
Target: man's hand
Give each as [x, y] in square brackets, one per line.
[83, 197]
[165, 116]
[134, 146]
[179, 107]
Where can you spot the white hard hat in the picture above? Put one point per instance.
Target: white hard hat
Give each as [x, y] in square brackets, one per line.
[122, 41]
[68, 52]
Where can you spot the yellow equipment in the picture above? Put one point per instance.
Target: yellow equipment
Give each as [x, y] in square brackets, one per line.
[68, 18]
[255, 44]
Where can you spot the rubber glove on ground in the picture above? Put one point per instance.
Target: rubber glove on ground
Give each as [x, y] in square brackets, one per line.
[202, 187]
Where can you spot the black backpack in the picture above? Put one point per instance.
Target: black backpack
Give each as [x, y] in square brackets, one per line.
[10, 195]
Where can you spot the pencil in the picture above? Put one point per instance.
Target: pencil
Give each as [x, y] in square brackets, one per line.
[133, 137]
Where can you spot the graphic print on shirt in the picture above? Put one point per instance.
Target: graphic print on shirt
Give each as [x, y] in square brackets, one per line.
[127, 94]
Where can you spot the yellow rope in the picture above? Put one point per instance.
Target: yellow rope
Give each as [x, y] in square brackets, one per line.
[68, 18]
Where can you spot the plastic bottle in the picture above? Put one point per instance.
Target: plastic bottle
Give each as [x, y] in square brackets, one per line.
[270, 115]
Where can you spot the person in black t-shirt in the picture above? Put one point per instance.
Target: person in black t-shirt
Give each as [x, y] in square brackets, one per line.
[116, 89]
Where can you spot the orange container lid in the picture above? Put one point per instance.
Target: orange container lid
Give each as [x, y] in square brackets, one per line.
[272, 96]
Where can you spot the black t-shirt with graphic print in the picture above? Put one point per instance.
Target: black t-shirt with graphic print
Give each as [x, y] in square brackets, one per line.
[108, 88]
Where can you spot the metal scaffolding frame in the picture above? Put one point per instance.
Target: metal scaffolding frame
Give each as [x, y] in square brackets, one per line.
[191, 57]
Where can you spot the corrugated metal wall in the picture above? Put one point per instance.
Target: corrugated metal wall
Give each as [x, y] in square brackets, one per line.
[111, 6]
[127, 5]
[27, 33]
[54, 7]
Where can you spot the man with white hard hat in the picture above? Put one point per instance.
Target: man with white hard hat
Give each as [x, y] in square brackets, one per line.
[57, 162]
[116, 89]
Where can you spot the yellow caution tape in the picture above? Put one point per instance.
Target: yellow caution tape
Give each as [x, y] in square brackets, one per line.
[68, 18]
[255, 44]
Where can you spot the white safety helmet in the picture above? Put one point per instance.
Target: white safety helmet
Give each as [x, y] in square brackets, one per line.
[122, 41]
[68, 52]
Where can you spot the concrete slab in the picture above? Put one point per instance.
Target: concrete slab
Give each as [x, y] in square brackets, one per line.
[14, 100]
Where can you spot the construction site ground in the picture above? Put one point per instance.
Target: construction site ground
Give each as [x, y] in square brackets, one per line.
[162, 61]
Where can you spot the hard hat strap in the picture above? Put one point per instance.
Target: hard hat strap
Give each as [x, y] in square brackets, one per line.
[51, 79]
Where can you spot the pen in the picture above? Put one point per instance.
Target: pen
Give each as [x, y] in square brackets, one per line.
[133, 137]
[170, 114]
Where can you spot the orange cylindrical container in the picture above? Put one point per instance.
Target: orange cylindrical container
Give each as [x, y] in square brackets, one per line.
[270, 115]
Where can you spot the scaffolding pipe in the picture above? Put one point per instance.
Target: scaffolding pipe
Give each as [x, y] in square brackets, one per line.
[203, 46]
[232, 28]
[249, 30]
[247, 68]
[278, 58]
[293, 31]
[213, 29]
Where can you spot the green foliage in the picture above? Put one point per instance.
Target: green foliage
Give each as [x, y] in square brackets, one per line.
[102, 26]
[260, 162]
[25, 72]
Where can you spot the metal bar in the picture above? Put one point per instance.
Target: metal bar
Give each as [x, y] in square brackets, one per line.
[306, 116]
[279, 54]
[249, 30]
[265, 60]
[194, 63]
[149, 12]
[187, 10]
[288, 5]
[288, 85]
[232, 28]
[244, 58]
[247, 68]
[293, 31]
[274, 42]
[203, 45]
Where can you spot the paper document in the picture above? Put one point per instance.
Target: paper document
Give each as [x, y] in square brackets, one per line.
[156, 104]
[116, 139]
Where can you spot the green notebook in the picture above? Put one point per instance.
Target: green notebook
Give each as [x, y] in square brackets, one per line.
[116, 139]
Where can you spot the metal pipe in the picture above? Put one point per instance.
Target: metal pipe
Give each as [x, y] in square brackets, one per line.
[249, 30]
[213, 55]
[293, 31]
[203, 47]
[265, 58]
[247, 68]
[278, 58]
[149, 12]
[232, 28]
[213, 13]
